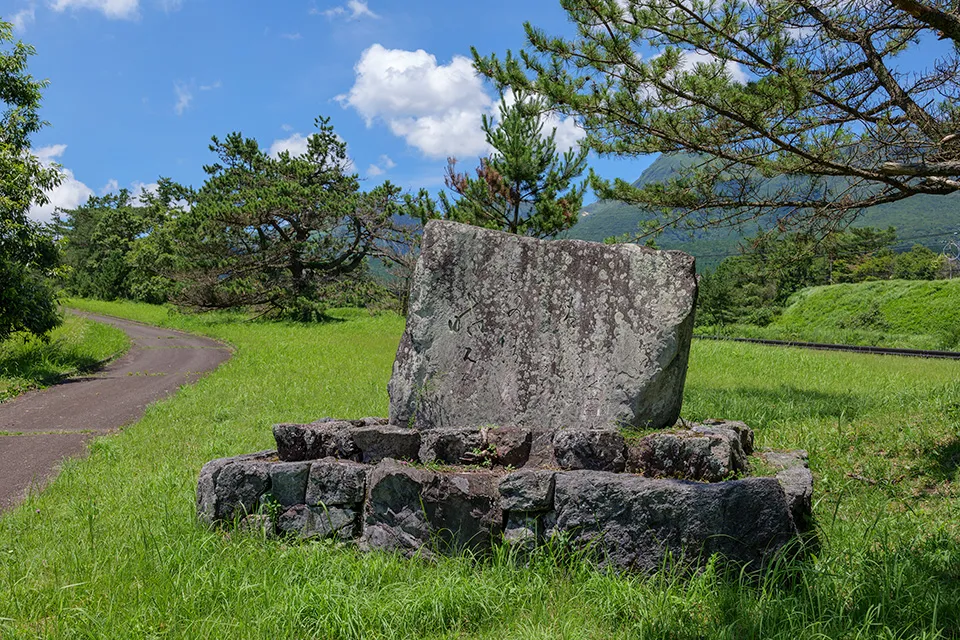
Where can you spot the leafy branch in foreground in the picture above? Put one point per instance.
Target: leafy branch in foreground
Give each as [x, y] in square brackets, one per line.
[759, 92]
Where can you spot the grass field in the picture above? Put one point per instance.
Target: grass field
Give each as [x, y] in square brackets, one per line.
[77, 345]
[912, 314]
[111, 548]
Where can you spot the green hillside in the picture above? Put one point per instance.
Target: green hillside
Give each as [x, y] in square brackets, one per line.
[916, 314]
[926, 220]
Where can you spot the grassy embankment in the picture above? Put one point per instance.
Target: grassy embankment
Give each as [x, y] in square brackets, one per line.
[894, 313]
[111, 548]
[76, 346]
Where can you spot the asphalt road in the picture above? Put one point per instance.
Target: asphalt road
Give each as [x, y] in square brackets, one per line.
[41, 428]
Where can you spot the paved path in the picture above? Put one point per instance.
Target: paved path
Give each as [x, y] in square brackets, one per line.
[41, 428]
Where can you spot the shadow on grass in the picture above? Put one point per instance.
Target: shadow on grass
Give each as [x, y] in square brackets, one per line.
[945, 459]
[782, 402]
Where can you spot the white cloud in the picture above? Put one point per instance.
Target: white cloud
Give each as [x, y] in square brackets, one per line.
[111, 186]
[138, 189]
[113, 9]
[291, 36]
[690, 59]
[296, 144]
[22, 18]
[384, 164]
[184, 98]
[69, 194]
[436, 108]
[352, 10]
[286, 127]
[568, 132]
[210, 87]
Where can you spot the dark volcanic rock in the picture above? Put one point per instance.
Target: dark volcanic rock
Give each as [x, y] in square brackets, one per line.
[296, 442]
[288, 482]
[510, 445]
[335, 482]
[379, 442]
[231, 487]
[744, 432]
[450, 446]
[527, 490]
[703, 453]
[505, 329]
[594, 449]
[633, 522]
[415, 510]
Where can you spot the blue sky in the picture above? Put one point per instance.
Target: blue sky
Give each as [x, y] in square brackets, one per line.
[137, 87]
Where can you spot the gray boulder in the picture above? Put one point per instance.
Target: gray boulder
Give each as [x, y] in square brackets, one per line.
[232, 487]
[710, 454]
[635, 522]
[420, 511]
[594, 449]
[504, 329]
[451, 445]
[794, 476]
[297, 442]
[527, 490]
[335, 482]
[510, 445]
[288, 482]
[378, 442]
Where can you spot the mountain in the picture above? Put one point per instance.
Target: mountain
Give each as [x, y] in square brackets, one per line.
[926, 220]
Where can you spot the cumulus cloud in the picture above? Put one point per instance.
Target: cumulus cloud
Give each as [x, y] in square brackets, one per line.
[296, 144]
[22, 18]
[384, 164]
[435, 108]
[113, 9]
[69, 194]
[351, 11]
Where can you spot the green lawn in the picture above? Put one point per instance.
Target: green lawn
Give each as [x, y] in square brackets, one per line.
[76, 346]
[111, 548]
[911, 314]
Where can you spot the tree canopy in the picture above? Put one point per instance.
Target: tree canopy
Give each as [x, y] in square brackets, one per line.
[279, 233]
[28, 255]
[757, 90]
[524, 185]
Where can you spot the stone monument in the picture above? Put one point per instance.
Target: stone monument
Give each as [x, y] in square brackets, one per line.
[535, 393]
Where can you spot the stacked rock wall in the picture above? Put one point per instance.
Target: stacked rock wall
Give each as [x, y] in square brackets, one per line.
[430, 501]
[528, 401]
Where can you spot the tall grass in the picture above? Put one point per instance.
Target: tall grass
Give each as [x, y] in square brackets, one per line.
[111, 549]
[78, 345]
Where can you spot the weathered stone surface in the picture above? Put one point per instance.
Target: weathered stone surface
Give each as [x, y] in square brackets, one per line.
[594, 449]
[224, 487]
[451, 445]
[416, 510]
[528, 529]
[297, 442]
[744, 432]
[510, 445]
[797, 481]
[335, 482]
[527, 490]
[288, 482]
[634, 521]
[319, 522]
[710, 454]
[379, 442]
[504, 329]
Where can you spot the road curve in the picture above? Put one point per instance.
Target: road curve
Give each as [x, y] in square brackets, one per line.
[41, 428]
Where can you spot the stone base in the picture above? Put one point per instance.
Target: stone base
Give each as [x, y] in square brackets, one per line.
[632, 501]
